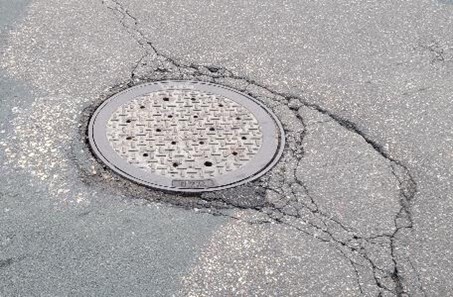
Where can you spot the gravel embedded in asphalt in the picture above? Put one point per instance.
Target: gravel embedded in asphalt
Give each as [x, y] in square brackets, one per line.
[359, 205]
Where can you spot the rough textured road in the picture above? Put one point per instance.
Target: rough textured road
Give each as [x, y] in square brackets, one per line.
[359, 205]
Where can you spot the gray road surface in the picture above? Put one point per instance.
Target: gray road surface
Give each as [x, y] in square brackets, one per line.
[359, 205]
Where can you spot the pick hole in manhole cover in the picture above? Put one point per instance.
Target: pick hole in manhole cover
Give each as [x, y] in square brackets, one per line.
[186, 136]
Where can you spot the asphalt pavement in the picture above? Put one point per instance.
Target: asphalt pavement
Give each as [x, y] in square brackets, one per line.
[359, 205]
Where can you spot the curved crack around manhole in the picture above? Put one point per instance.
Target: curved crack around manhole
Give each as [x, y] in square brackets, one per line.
[353, 246]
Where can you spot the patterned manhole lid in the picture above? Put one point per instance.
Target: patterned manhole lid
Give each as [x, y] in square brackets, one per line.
[186, 136]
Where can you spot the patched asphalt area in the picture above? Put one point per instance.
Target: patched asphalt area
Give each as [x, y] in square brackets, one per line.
[341, 214]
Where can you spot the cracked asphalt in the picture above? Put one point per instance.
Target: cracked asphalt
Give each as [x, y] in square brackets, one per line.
[359, 205]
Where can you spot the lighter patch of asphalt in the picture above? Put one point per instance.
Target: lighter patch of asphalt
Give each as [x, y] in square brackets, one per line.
[269, 260]
[335, 216]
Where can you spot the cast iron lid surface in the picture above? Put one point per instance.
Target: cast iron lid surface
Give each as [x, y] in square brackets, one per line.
[186, 136]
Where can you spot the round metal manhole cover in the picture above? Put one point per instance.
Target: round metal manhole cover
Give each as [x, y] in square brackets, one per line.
[186, 136]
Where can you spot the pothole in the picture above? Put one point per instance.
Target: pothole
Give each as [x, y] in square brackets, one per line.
[186, 136]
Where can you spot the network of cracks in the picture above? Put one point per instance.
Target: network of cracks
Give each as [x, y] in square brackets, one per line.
[282, 196]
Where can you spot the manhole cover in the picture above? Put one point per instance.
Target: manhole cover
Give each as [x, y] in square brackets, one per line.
[186, 136]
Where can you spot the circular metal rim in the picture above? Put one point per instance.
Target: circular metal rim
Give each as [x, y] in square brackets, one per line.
[140, 178]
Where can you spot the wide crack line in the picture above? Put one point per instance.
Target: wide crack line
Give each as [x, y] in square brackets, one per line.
[302, 215]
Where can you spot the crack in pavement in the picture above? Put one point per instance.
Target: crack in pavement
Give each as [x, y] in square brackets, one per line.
[291, 204]
[4, 263]
[439, 51]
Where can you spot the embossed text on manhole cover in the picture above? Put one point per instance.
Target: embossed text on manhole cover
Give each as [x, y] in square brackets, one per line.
[186, 136]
